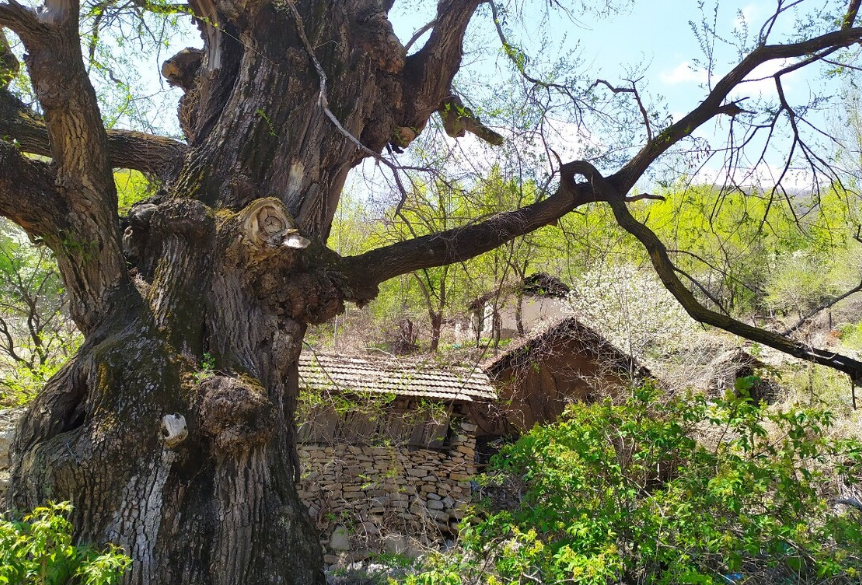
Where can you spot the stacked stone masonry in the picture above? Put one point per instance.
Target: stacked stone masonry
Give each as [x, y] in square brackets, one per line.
[366, 499]
[8, 420]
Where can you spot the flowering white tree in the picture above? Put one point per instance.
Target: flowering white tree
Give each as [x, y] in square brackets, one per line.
[632, 309]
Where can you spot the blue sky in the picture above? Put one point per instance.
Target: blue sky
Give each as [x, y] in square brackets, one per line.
[652, 39]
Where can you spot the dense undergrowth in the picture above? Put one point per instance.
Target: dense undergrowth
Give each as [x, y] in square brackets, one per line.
[38, 550]
[665, 491]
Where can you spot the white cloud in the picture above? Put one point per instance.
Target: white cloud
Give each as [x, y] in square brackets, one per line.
[760, 82]
[764, 176]
[683, 73]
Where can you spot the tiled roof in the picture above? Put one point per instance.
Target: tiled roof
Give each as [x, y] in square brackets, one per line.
[525, 350]
[426, 380]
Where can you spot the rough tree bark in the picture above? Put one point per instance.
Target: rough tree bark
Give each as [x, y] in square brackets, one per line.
[192, 469]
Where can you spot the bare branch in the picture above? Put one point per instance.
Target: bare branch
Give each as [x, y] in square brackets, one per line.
[416, 36]
[712, 106]
[634, 91]
[645, 196]
[822, 307]
[664, 267]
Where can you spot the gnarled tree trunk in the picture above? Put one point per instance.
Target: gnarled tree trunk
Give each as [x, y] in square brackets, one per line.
[172, 429]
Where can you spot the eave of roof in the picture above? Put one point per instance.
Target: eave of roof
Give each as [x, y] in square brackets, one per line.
[520, 352]
[325, 372]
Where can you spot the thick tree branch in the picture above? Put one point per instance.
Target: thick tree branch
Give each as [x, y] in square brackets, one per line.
[429, 72]
[852, 12]
[458, 119]
[28, 196]
[664, 267]
[367, 270]
[126, 149]
[20, 19]
[89, 253]
[712, 106]
[8, 62]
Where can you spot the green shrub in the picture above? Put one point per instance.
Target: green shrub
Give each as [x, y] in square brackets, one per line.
[665, 491]
[39, 551]
[851, 335]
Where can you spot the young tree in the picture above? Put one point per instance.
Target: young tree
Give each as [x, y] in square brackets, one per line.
[195, 475]
[35, 337]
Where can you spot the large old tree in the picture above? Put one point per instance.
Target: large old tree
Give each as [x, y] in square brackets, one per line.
[195, 476]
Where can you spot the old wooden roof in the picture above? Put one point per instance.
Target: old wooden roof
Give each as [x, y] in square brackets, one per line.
[390, 376]
[526, 351]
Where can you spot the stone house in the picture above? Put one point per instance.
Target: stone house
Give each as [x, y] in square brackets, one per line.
[539, 374]
[537, 300]
[387, 449]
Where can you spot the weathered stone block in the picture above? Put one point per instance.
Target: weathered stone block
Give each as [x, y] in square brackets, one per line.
[340, 539]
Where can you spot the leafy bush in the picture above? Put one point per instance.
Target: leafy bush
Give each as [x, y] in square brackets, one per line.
[665, 492]
[39, 550]
[851, 335]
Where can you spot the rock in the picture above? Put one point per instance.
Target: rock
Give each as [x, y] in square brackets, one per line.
[396, 544]
[433, 496]
[360, 556]
[4, 485]
[435, 505]
[340, 539]
[439, 515]
[379, 501]
[448, 502]
[369, 528]
[330, 559]
[469, 427]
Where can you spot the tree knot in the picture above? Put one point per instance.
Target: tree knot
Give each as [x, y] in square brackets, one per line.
[266, 223]
[236, 412]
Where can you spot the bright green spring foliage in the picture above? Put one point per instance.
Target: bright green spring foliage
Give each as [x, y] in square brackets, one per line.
[36, 337]
[39, 551]
[625, 494]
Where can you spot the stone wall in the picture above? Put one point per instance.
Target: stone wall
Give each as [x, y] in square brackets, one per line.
[8, 420]
[397, 499]
[366, 499]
